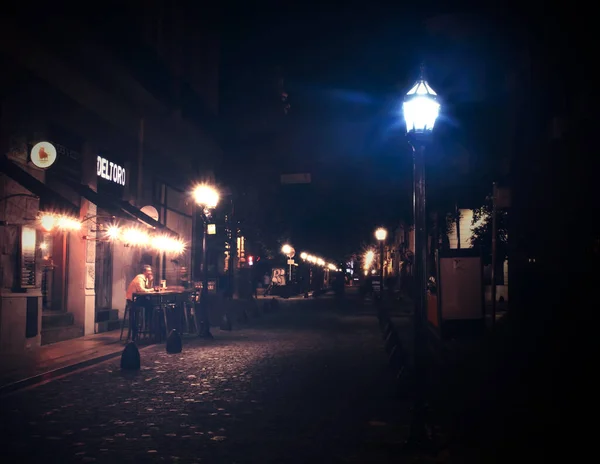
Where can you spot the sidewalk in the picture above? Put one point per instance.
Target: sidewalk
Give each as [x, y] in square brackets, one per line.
[23, 369]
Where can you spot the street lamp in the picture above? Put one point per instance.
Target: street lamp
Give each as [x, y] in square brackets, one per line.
[368, 261]
[207, 198]
[421, 110]
[381, 235]
[290, 253]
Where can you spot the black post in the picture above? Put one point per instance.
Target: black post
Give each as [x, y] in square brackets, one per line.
[204, 316]
[494, 250]
[381, 269]
[232, 250]
[194, 264]
[418, 433]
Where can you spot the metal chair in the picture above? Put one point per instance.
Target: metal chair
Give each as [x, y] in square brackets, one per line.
[125, 316]
[138, 325]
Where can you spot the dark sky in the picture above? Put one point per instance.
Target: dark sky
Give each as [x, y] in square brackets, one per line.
[345, 70]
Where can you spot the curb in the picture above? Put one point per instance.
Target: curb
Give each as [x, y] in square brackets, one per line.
[54, 373]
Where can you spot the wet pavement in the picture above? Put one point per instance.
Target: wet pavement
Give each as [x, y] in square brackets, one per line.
[309, 383]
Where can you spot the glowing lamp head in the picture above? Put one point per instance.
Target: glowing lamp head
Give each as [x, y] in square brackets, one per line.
[206, 196]
[286, 249]
[135, 237]
[381, 234]
[167, 244]
[178, 247]
[48, 222]
[369, 257]
[420, 108]
[304, 255]
[113, 232]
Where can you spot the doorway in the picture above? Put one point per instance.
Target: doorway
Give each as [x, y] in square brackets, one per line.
[103, 276]
[54, 272]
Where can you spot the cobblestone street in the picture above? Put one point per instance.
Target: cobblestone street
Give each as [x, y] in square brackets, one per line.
[307, 384]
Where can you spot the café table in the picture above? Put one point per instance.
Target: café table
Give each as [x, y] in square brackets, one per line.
[179, 300]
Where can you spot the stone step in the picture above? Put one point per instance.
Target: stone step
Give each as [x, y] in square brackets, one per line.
[60, 334]
[107, 326]
[104, 315]
[56, 319]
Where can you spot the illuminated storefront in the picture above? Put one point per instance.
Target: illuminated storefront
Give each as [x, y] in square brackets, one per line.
[70, 241]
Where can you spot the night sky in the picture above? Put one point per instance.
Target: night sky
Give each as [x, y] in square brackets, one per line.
[346, 71]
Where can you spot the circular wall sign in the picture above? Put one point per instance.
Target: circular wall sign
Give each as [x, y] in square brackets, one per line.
[43, 155]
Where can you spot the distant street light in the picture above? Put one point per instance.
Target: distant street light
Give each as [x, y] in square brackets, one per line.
[368, 261]
[207, 198]
[381, 235]
[421, 110]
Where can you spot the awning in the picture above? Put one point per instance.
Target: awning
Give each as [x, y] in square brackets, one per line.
[138, 214]
[118, 208]
[49, 199]
[101, 201]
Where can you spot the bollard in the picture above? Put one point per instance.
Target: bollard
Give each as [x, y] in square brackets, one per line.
[174, 342]
[225, 323]
[130, 359]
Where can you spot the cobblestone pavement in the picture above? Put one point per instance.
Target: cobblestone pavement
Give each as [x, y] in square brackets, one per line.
[307, 384]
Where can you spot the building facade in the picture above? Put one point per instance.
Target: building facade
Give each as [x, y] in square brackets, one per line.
[95, 173]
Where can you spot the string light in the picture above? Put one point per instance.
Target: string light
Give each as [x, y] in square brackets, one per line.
[50, 221]
[135, 237]
[113, 232]
[316, 260]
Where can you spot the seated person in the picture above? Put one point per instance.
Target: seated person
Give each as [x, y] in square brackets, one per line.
[141, 283]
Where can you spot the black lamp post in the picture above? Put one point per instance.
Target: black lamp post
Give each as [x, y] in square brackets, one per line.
[421, 110]
[381, 235]
[206, 198]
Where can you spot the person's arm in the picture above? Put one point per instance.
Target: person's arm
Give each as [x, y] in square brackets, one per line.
[140, 285]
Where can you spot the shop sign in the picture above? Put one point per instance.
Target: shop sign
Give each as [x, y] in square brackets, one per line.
[278, 276]
[43, 155]
[110, 171]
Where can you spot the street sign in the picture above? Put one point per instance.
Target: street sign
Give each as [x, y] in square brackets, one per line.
[290, 261]
[212, 229]
[376, 285]
[302, 178]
